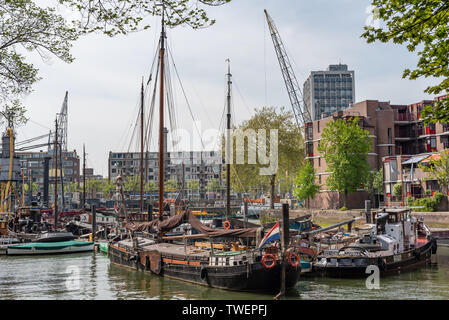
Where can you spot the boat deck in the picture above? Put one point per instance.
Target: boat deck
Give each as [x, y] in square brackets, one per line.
[177, 249]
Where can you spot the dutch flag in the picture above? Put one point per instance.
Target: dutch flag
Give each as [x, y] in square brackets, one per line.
[272, 235]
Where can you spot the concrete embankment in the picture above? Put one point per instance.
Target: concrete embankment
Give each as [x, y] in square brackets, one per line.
[433, 219]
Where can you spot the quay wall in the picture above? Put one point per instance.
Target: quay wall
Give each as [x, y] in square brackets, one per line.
[431, 218]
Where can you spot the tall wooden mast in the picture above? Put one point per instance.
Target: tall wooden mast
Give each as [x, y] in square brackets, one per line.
[141, 147]
[228, 144]
[161, 120]
[56, 177]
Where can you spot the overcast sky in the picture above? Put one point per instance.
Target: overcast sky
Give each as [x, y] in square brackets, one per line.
[104, 81]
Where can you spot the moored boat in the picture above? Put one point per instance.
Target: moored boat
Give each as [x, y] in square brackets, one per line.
[243, 270]
[35, 248]
[396, 242]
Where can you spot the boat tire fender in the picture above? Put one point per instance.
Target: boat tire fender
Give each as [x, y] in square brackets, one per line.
[381, 264]
[271, 257]
[296, 259]
[417, 255]
[227, 225]
[434, 246]
[203, 273]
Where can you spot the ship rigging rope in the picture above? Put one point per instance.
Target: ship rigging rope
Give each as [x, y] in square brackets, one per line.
[187, 101]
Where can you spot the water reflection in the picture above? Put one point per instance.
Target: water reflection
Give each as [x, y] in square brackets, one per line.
[46, 277]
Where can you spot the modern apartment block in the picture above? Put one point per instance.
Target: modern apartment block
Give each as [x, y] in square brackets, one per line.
[325, 92]
[397, 133]
[33, 165]
[191, 165]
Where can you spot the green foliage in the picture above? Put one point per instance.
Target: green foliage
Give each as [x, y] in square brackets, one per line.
[397, 189]
[131, 183]
[171, 184]
[246, 177]
[422, 25]
[150, 186]
[114, 17]
[305, 183]
[34, 187]
[345, 146]
[213, 185]
[343, 208]
[429, 204]
[25, 25]
[438, 169]
[92, 187]
[107, 187]
[193, 185]
[72, 186]
[378, 181]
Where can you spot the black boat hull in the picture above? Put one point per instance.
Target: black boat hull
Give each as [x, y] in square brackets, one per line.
[249, 277]
[358, 266]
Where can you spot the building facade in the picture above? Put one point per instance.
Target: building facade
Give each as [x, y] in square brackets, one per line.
[325, 92]
[33, 165]
[182, 166]
[398, 135]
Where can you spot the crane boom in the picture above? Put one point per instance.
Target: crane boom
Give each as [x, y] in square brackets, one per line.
[291, 83]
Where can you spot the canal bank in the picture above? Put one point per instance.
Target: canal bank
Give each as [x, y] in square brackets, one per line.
[432, 219]
[90, 276]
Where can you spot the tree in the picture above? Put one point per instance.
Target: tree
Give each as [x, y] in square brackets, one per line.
[131, 184]
[438, 169]
[423, 25]
[171, 185]
[213, 185]
[150, 186]
[374, 184]
[245, 177]
[44, 30]
[107, 187]
[345, 146]
[72, 186]
[34, 187]
[25, 25]
[306, 187]
[397, 190]
[92, 187]
[193, 185]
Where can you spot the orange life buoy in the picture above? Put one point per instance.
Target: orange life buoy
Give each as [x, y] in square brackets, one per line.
[271, 257]
[297, 260]
[227, 225]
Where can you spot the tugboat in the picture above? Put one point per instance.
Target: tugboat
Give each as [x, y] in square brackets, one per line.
[394, 241]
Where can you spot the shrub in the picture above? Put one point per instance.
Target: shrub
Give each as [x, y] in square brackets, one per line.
[429, 204]
[343, 208]
[397, 189]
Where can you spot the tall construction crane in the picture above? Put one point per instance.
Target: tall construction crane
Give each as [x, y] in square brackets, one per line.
[302, 115]
[62, 124]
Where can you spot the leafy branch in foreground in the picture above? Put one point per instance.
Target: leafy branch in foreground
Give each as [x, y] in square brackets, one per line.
[114, 17]
[422, 25]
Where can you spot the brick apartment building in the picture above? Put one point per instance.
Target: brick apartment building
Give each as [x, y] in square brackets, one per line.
[398, 134]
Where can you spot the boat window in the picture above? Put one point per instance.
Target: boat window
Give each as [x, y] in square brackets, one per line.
[227, 261]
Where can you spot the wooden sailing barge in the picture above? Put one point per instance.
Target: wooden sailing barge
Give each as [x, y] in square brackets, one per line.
[149, 249]
[173, 257]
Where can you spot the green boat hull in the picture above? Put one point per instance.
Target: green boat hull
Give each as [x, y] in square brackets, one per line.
[35, 248]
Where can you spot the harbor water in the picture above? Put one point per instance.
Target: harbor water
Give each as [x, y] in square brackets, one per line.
[91, 276]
